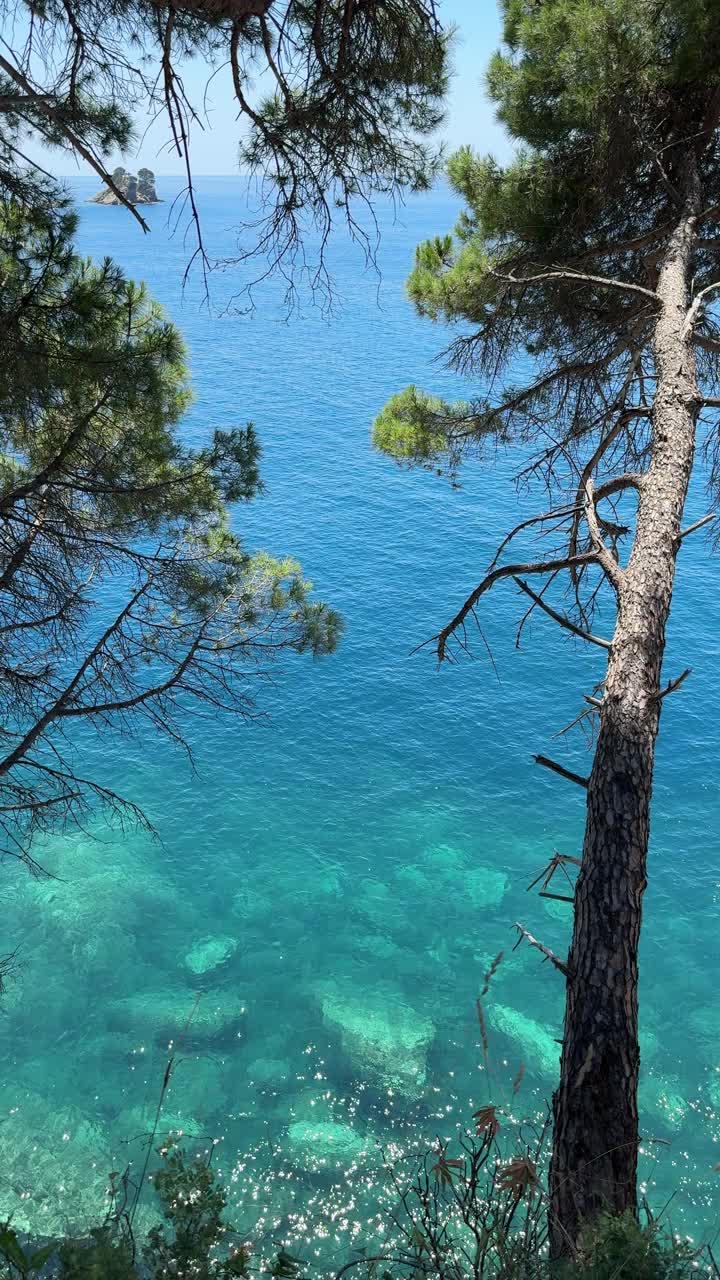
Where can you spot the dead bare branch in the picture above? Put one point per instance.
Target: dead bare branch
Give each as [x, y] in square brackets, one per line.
[672, 685]
[697, 306]
[561, 619]
[540, 946]
[580, 277]
[558, 862]
[560, 769]
[604, 556]
[505, 571]
[699, 524]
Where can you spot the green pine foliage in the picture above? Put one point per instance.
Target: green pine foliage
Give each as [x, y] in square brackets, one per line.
[587, 88]
[410, 427]
[124, 526]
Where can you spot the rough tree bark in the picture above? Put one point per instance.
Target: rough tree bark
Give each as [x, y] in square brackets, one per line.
[596, 1140]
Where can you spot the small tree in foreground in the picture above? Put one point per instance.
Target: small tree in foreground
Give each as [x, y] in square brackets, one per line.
[590, 261]
[126, 601]
[457, 1219]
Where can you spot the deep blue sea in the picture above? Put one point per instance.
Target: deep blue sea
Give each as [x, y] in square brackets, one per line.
[354, 860]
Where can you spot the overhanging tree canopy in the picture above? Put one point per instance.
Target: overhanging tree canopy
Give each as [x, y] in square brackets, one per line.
[334, 99]
[95, 484]
[589, 263]
[125, 598]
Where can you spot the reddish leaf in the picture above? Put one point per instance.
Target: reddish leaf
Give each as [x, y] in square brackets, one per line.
[443, 1170]
[518, 1176]
[486, 1120]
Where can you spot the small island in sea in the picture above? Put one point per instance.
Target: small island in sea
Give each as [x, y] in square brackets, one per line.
[138, 189]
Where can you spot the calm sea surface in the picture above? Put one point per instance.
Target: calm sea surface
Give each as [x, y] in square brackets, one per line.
[360, 855]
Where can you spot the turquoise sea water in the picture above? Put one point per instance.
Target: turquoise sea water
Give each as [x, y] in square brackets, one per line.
[360, 855]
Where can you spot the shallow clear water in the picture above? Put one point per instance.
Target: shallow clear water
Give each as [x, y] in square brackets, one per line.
[367, 848]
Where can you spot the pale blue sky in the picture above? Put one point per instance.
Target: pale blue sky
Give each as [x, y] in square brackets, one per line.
[470, 116]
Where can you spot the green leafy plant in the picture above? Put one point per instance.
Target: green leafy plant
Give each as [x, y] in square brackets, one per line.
[19, 1260]
[194, 1238]
[620, 1248]
[468, 1217]
[106, 1256]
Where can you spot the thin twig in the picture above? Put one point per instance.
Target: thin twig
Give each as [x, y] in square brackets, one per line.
[166, 1081]
[540, 946]
[561, 619]
[505, 571]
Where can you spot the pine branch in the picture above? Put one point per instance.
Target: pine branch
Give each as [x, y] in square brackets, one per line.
[53, 711]
[51, 468]
[52, 113]
[505, 571]
[560, 513]
[540, 946]
[603, 555]
[672, 685]
[562, 772]
[699, 524]
[707, 344]
[697, 306]
[219, 10]
[580, 277]
[561, 619]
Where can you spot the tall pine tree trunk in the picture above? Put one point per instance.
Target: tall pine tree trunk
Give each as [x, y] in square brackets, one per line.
[596, 1131]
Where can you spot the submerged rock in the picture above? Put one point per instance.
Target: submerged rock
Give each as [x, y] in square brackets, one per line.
[459, 876]
[485, 887]
[412, 880]
[326, 1144]
[269, 1072]
[382, 1034]
[72, 907]
[55, 1165]
[138, 190]
[536, 1043]
[661, 1095]
[379, 906]
[202, 1085]
[377, 945]
[163, 1015]
[562, 911]
[210, 952]
[705, 1023]
[253, 906]
[136, 1124]
[443, 860]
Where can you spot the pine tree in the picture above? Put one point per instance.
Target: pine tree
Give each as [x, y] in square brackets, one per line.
[124, 595]
[590, 261]
[126, 601]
